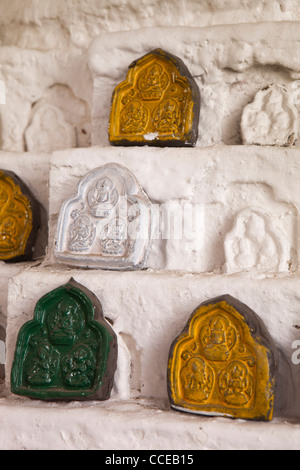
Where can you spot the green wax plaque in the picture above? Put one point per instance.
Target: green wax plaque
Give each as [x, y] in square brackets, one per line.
[68, 351]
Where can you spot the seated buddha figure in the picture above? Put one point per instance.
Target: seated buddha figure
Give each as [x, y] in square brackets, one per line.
[64, 353]
[102, 197]
[106, 223]
[9, 233]
[223, 363]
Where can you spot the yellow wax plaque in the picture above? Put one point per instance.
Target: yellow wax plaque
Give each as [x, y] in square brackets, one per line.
[223, 363]
[19, 219]
[158, 104]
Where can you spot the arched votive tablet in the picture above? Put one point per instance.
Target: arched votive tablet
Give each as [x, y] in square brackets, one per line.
[157, 104]
[106, 224]
[20, 219]
[68, 351]
[223, 363]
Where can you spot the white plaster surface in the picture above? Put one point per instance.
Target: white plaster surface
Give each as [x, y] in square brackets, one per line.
[202, 188]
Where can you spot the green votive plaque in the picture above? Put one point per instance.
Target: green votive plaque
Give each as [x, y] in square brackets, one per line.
[68, 351]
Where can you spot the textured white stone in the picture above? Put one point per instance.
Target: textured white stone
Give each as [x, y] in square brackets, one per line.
[271, 119]
[197, 193]
[144, 425]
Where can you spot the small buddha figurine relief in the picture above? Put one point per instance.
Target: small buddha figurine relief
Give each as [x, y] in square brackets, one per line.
[20, 219]
[158, 104]
[223, 363]
[107, 223]
[64, 353]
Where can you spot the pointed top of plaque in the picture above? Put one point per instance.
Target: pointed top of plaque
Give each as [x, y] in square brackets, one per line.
[223, 363]
[20, 219]
[157, 104]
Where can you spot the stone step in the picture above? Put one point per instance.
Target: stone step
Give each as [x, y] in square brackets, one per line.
[148, 309]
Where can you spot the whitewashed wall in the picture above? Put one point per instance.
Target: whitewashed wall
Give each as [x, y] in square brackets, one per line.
[59, 63]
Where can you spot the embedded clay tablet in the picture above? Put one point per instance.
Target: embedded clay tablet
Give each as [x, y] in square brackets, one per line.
[223, 363]
[64, 353]
[106, 224]
[20, 219]
[158, 104]
[2, 348]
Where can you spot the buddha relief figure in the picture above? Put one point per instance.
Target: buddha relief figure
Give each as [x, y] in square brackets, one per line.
[103, 197]
[82, 232]
[153, 82]
[223, 363]
[41, 364]
[168, 117]
[114, 238]
[64, 353]
[49, 131]
[134, 118]
[158, 104]
[217, 337]
[19, 219]
[8, 232]
[64, 322]
[106, 224]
